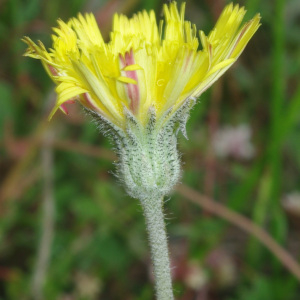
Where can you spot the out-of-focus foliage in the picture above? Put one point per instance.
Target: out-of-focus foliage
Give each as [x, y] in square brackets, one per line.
[99, 246]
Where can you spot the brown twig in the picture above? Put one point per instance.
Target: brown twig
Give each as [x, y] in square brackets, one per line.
[92, 151]
[13, 178]
[213, 207]
[242, 222]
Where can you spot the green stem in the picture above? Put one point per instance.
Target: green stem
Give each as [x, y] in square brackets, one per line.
[275, 165]
[153, 211]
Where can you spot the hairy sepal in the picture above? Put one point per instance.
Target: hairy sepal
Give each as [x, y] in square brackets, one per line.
[149, 161]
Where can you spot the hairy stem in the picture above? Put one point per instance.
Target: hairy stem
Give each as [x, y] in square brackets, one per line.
[153, 211]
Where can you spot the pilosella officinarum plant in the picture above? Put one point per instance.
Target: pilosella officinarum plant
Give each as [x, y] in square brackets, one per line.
[140, 87]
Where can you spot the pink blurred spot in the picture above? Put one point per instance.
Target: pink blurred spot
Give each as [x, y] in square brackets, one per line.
[63, 106]
[52, 70]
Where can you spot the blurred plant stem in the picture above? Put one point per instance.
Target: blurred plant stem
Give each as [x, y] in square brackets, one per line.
[254, 251]
[269, 193]
[47, 226]
[153, 211]
[277, 101]
[291, 115]
[150, 4]
[213, 122]
[252, 6]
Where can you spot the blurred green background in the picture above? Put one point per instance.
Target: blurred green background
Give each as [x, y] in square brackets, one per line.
[68, 231]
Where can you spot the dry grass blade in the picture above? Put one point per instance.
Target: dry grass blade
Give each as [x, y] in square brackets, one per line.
[245, 224]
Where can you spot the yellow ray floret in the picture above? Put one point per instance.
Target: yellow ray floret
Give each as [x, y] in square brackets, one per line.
[144, 64]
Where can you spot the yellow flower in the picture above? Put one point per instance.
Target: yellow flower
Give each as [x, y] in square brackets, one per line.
[144, 64]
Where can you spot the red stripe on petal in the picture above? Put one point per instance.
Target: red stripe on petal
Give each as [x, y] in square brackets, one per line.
[133, 91]
[240, 36]
[89, 102]
[187, 61]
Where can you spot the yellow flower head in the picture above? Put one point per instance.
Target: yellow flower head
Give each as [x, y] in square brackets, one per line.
[144, 64]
